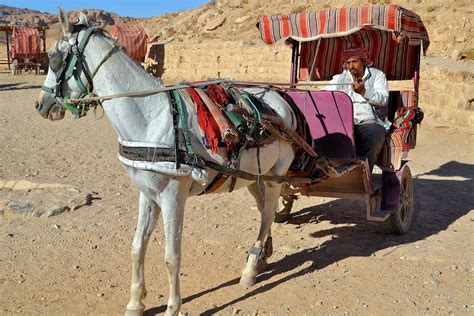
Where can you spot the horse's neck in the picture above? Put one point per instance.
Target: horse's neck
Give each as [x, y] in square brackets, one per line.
[142, 119]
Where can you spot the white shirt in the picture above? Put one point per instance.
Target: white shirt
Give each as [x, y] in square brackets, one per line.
[376, 94]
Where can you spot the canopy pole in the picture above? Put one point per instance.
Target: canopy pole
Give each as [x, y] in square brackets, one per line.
[294, 62]
[416, 77]
[8, 49]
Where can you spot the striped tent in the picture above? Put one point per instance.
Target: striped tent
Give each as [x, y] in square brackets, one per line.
[133, 38]
[391, 34]
[26, 43]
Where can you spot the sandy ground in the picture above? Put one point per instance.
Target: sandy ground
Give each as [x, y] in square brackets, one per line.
[328, 259]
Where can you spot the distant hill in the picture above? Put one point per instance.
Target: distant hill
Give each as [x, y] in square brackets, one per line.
[449, 23]
[6, 10]
[19, 16]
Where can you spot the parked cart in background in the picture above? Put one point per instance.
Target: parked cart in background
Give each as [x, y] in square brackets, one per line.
[28, 50]
[133, 39]
[395, 38]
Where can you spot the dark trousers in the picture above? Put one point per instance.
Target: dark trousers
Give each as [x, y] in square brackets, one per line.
[369, 139]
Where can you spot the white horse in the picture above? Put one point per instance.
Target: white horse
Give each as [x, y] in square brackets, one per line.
[148, 122]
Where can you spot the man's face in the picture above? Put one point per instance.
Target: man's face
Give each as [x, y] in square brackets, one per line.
[355, 66]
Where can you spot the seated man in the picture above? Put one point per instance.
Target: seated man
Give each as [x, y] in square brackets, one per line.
[368, 88]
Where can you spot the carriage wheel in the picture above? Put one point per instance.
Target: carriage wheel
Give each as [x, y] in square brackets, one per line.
[401, 220]
[285, 203]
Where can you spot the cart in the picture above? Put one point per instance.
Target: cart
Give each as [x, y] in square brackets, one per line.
[395, 39]
[27, 53]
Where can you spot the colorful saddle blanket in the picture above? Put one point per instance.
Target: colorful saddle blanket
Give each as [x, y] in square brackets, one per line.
[224, 128]
[405, 114]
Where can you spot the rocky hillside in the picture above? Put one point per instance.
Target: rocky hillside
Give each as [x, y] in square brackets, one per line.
[449, 23]
[19, 16]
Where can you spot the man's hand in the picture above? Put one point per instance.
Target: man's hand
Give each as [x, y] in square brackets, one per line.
[358, 86]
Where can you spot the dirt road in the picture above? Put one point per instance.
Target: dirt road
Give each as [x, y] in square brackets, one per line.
[328, 259]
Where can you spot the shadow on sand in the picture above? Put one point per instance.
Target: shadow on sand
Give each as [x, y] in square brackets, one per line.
[438, 204]
[17, 86]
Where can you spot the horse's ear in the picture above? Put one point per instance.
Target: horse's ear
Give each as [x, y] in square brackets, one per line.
[64, 21]
[82, 19]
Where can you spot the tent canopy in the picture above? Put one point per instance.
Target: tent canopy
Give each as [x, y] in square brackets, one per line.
[133, 38]
[391, 34]
[26, 43]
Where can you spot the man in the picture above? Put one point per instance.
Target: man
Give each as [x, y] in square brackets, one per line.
[368, 89]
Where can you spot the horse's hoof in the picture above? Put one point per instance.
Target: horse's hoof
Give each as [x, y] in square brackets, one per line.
[248, 281]
[134, 312]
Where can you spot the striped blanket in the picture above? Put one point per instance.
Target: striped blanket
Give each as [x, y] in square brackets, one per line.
[391, 35]
[402, 137]
[26, 43]
[133, 39]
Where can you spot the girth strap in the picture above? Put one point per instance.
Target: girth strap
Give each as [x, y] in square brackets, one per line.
[157, 154]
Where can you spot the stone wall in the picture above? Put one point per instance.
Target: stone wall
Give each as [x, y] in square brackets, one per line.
[447, 90]
[445, 87]
[236, 60]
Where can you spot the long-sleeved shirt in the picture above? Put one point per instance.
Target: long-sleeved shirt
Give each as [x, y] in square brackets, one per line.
[376, 94]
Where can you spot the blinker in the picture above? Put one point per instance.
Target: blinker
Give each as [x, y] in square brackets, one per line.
[55, 61]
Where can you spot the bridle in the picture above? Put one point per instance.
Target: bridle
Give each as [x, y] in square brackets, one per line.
[71, 64]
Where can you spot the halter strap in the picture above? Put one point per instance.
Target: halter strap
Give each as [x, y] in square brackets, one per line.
[75, 61]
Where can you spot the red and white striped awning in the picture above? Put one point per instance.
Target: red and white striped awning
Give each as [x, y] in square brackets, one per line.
[133, 38]
[26, 43]
[391, 34]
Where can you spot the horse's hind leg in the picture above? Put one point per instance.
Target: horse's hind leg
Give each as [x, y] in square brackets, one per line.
[147, 214]
[256, 261]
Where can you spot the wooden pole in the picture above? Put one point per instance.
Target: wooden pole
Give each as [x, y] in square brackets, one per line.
[8, 49]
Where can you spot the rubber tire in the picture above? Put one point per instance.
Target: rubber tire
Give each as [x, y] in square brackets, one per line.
[285, 204]
[400, 221]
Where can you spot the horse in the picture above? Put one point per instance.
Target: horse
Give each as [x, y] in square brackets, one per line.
[148, 122]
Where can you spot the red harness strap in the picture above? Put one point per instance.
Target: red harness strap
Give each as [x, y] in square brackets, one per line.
[206, 121]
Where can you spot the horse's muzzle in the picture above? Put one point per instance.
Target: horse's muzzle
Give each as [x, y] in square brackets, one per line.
[47, 107]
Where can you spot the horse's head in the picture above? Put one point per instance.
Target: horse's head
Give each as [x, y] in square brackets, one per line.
[65, 79]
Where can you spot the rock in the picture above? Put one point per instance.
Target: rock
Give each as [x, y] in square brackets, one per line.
[22, 209]
[24, 185]
[464, 103]
[204, 17]
[441, 38]
[241, 19]
[214, 24]
[456, 54]
[37, 213]
[56, 210]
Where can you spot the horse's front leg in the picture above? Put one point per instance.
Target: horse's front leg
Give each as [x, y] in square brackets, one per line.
[262, 248]
[147, 214]
[172, 201]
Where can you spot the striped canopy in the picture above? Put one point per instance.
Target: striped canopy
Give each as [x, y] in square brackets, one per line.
[391, 34]
[26, 43]
[133, 38]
